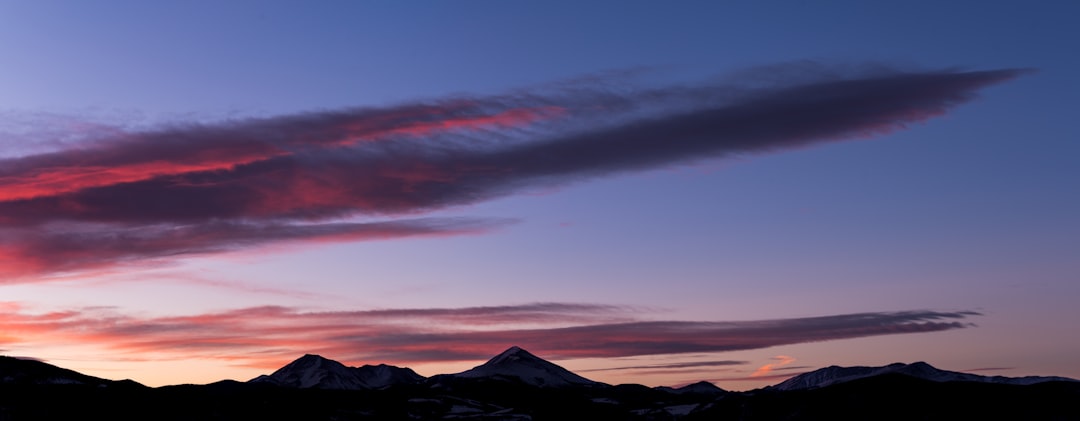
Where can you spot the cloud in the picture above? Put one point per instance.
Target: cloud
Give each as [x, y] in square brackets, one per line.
[27, 252]
[671, 337]
[309, 176]
[767, 377]
[673, 367]
[267, 337]
[989, 369]
[781, 360]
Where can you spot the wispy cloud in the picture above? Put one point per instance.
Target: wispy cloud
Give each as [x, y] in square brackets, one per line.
[268, 336]
[206, 188]
[672, 366]
[66, 247]
[758, 379]
[989, 369]
[781, 360]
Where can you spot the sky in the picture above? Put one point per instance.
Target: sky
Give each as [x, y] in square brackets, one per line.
[640, 192]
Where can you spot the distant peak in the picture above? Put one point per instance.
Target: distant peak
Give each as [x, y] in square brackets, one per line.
[920, 369]
[514, 350]
[701, 387]
[514, 353]
[517, 362]
[315, 371]
[309, 361]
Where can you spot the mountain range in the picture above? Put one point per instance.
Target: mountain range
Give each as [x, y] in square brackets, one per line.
[920, 370]
[519, 385]
[517, 364]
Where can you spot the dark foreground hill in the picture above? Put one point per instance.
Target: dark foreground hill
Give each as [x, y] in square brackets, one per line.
[510, 391]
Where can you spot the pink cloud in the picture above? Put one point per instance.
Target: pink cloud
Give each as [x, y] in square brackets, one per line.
[781, 360]
[267, 336]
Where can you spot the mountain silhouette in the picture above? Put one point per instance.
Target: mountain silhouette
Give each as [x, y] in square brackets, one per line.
[522, 365]
[313, 371]
[921, 370]
[519, 385]
[23, 371]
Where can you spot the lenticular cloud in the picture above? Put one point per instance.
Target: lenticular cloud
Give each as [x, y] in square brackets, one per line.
[366, 173]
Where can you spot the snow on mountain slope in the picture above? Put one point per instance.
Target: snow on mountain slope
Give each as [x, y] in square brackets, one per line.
[519, 363]
[313, 371]
[835, 374]
[382, 375]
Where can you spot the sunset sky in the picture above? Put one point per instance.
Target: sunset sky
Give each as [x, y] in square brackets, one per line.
[641, 192]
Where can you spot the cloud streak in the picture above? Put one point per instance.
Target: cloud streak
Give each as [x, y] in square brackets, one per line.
[266, 337]
[672, 367]
[309, 176]
[781, 360]
[67, 247]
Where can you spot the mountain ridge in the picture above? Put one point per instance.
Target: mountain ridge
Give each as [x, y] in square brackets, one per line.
[316, 372]
[26, 371]
[834, 374]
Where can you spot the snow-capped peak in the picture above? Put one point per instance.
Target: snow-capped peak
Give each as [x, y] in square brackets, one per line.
[519, 363]
[512, 354]
[313, 371]
[312, 361]
[835, 374]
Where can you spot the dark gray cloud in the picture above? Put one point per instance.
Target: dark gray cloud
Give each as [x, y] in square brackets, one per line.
[672, 367]
[671, 337]
[70, 247]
